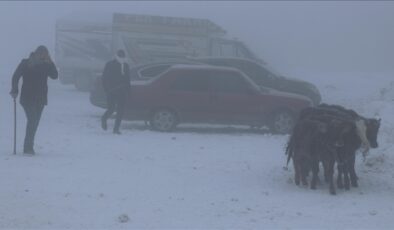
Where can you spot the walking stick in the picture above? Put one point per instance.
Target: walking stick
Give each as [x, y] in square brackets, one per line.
[14, 126]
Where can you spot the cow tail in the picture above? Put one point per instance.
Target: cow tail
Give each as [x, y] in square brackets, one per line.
[289, 150]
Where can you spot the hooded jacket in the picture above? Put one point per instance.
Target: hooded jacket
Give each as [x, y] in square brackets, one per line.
[35, 74]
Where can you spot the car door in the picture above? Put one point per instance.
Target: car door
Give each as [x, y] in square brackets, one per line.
[233, 99]
[189, 94]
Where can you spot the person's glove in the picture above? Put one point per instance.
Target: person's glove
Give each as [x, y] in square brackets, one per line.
[14, 94]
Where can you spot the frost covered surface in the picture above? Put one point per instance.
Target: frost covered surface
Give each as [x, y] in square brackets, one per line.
[83, 177]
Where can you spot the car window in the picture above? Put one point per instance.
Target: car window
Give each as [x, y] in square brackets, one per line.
[191, 81]
[153, 71]
[257, 73]
[243, 51]
[228, 82]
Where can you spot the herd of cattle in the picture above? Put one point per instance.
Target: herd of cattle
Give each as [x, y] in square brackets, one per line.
[330, 134]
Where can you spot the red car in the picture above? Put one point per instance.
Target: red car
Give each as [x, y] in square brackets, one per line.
[208, 94]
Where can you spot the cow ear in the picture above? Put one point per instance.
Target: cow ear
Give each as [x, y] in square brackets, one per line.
[322, 127]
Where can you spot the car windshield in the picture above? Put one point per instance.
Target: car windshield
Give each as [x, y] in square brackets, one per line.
[272, 70]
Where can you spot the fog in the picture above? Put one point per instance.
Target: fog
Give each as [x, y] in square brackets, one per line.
[294, 37]
[203, 176]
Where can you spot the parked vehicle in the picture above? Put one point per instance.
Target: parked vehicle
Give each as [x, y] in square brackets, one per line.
[81, 50]
[208, 94]
[263, 75]
[83, 47]
[153, 69]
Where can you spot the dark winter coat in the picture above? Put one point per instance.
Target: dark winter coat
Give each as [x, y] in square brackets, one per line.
[113, 80]
[35, 75]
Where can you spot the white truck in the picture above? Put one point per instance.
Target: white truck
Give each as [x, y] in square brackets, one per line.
[82, 48]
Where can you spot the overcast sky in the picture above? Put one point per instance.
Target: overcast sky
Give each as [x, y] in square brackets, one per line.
[294, 37]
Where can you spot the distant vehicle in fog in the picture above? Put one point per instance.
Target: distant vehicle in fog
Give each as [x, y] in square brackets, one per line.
[207, 94]
[261, 74]
[264, 76]
[82, 48]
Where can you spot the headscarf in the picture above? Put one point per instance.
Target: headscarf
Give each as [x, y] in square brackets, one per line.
[39, 56]
[121, 58]
[122, 62]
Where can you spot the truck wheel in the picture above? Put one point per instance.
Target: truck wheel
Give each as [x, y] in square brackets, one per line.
[282, 122]
[163, 120]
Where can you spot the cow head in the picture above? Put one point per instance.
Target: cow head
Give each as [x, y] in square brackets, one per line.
[373, 126]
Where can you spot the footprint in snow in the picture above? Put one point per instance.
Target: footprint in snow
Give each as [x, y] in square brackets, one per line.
[123, 218]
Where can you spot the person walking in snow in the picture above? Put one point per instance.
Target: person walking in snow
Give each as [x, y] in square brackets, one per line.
[34, 71]
[116, 83]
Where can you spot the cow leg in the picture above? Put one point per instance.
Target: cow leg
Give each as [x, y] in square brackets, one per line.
[325, 168]
[296, 171]
[315, 172]
[353, 175]
[340, 168]
[346, 176]
[353, 178]
[318, 181]
[331, 177]
[304, 172]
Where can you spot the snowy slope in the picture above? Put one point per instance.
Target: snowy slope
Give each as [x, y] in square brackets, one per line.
[216, 178]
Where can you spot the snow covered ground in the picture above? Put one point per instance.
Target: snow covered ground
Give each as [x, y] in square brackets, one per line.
[200, 178]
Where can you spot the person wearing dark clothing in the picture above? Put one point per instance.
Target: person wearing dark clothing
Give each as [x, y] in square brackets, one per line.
[34, 71]
[116, 83]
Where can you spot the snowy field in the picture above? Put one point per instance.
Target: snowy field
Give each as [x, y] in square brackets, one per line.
[192, 178]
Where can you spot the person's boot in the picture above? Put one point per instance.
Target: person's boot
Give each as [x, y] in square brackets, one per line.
[104, 124]
[29, 151]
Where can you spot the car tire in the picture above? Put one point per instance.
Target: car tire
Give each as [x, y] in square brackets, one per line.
[163, 120]
[282, 122]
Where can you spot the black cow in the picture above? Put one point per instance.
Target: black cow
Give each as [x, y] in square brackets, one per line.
[299, 147]
[353, 141]
[352, 131]
[315, 139]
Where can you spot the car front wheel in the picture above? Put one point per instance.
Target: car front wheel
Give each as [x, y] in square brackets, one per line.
[282, 122]
[163, 120]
